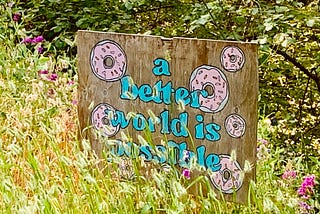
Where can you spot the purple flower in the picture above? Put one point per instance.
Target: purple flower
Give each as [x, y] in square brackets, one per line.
[43, 72]
[289, 174]
[37, 39]
[304, 206]
[70, 82]
[306, 187]
[40, 49]
[27, 40]
[263, 141]
[53, 77]
[74, 102]
[16, 17]
[186, 173]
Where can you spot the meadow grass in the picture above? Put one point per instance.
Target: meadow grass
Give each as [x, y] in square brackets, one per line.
[45, 168]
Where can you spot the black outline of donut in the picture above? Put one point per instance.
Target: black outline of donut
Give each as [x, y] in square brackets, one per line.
[239, 180]
[243, 123]
[222, 60]
[222, 75]
[103, 42]
[92, 120]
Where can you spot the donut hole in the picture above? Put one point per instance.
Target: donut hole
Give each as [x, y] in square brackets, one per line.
[108, 62]
[209, 89]
[233, 58]
[105, 121]
[226, 174]
[235, 126]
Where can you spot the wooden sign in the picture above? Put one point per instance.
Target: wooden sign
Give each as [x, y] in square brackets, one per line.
[195, 97]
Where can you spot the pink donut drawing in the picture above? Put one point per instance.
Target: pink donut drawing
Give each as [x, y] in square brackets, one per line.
[235, 125]
[232, 58]
[228, 179]
[101, 120]
[108, 61]
[212, 80]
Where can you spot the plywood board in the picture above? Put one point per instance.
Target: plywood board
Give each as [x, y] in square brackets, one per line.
[195, 96]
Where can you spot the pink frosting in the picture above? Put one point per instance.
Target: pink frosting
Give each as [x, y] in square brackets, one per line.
[232, 58]
[108, 61]
[205, 77]
[235, 125]
[101, 121]
[228, 178]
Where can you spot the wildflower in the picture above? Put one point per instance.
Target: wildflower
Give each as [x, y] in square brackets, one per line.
[74, 102]
[10, 4]
[37, 39]
[27, 40]
[70, 82]
[43, 72]
[53, 77]
[16, 17]
[304, 206]
[306, 187]
[289, 174]
[263, 141]
[186, 173]
[40, 49]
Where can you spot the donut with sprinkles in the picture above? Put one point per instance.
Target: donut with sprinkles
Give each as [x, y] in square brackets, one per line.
[108, 61]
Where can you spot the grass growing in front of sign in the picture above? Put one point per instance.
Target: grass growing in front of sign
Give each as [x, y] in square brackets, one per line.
[45, 169]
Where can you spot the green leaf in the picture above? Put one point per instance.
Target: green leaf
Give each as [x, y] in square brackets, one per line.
[203, 19]
[268, 26]
[310, 22]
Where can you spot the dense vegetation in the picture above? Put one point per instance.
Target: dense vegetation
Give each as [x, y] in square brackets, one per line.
[44, 170]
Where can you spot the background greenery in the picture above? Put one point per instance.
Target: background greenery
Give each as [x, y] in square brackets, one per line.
[40, 162]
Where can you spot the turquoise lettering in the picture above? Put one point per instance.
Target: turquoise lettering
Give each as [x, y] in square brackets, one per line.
[162, 93]
[161, 154]
[212, 162]
[178, 150]
[119, 118]
[201, 150]
[199, 128]
[145, 152]
[182, 95]
[179, 125]
[145, 93]
[161, 67]
[139, 122]
[212, 130]
[165, 122]
[128, 91]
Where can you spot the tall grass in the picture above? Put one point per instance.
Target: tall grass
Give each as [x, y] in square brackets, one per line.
[44, 168]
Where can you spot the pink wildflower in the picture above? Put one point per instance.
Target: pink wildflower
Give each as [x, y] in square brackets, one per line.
[289, 174]
[40, 49]
[37, 39]
[186, 173]
[27, 40]
[16, 17]
[304, 206]
[53, 77]
[74, 102]
[306, 187]
[263, 141]
[43, 72]
[70, 82]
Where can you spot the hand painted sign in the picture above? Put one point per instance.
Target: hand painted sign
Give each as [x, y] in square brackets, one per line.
[195, 97]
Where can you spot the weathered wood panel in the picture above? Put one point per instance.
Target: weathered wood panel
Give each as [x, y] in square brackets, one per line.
[202, 92]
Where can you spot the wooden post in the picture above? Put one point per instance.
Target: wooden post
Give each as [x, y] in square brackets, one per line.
[202, 94]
